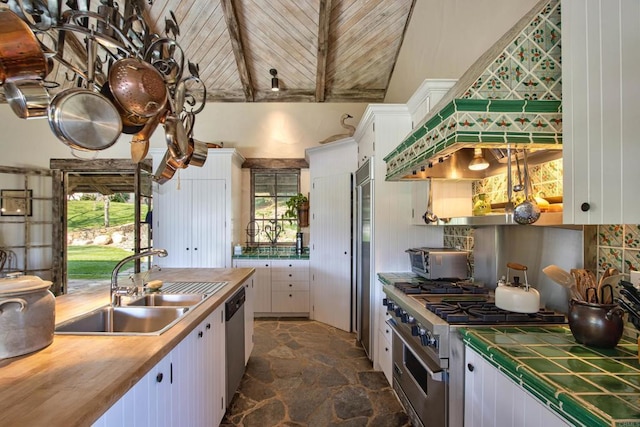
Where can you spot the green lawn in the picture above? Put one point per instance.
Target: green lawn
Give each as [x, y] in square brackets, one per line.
[94, 262]
[83, 214]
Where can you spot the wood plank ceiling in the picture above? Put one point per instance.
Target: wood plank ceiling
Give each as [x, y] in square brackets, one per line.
[323, 50]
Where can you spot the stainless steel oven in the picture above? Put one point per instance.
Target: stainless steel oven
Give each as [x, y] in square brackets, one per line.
[428, 354]
[420, 383]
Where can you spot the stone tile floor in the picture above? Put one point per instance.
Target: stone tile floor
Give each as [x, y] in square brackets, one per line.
[306, 373]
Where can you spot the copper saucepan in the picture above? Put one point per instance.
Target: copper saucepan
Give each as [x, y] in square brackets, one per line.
[21, 56]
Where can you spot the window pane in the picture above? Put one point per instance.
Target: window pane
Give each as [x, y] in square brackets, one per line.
[265, 184]
[265, 207]
[287, 184]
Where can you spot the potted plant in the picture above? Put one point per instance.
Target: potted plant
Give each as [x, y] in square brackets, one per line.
[298, 207]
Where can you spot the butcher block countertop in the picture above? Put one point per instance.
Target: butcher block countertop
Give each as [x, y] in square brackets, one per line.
[76, 379]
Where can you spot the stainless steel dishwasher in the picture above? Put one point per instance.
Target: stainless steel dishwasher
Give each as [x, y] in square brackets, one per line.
[234, 337]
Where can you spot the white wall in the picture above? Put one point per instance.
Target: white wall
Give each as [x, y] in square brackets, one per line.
[445, 37]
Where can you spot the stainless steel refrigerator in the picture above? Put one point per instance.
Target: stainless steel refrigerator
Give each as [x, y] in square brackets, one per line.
[364, 252]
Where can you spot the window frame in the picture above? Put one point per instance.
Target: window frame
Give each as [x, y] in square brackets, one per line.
[275, 171]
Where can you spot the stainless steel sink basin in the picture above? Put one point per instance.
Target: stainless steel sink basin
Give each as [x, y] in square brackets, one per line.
[123, 321]
[171, 300]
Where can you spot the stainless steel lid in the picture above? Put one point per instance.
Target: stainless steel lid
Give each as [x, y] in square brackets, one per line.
[22, 284]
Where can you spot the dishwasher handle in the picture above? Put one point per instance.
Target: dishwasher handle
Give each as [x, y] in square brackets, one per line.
[233, 304]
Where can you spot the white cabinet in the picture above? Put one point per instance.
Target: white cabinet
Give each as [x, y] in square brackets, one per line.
[384, 345]
[262, 282]
[281, 286]
[187, 387]
[290, 286]
[491, 399]
[366, 142]
[600, 65]
[249, 303]
[193, 214]
[330, 245]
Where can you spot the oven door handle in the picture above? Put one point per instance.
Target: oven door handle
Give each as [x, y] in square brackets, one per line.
[435, 371]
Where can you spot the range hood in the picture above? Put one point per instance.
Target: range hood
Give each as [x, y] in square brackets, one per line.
[510, 97]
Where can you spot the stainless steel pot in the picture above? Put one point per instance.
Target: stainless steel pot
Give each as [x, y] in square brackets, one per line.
[27, 315]
[29, 99]
[596, 325]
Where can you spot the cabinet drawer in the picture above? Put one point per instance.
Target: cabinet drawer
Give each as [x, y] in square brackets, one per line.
[385, 331]
[290, 263]
[290, 302]
[385, 356]
[292, 274]
[291, 285]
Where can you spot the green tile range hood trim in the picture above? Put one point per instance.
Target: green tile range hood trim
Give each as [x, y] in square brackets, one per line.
[468, 123]
[511, 96]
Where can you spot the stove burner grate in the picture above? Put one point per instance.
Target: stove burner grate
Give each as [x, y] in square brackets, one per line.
[449, 286]
[482, 312]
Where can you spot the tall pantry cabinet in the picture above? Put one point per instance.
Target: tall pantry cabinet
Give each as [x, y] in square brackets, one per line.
[194, 212]
[330, 246]
[601, 111]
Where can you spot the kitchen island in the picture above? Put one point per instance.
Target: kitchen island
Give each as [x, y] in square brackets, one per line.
[77, 378]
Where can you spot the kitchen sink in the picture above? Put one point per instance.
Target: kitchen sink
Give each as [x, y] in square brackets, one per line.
[110, 320]
[172, 300]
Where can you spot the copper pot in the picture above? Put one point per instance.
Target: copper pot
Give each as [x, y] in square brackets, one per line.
[21, 56]
[596, 325]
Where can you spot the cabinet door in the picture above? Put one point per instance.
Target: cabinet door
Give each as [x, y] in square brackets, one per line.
[171, 223]
[600, 65]
[262, 283]
[419, 199]
[207, 224]
[248, 317]
[366, 144]
[185, 380]
[331, 246]
[147, 403]
[290, 302]
[492, 399]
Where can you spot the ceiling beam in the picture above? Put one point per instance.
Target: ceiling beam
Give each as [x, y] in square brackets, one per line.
[231, 18]
[323, 48]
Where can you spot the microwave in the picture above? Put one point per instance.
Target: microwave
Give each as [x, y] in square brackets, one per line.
[439, 263]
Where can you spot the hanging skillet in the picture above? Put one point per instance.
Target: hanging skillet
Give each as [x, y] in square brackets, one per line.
[84, 120]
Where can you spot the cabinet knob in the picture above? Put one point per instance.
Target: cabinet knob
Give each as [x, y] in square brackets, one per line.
[208, 326]
[470, 367]
[195, 249]
[290, 285]
[159, 377]
[266, 265]
[386, 349]
[290, 265]
[290, 296]
[290, 275]
[585, 207]
[200, 334]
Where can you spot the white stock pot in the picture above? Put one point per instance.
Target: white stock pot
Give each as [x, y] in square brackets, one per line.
[27, 315]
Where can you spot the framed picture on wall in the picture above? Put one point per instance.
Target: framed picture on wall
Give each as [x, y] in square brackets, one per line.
[16, 202]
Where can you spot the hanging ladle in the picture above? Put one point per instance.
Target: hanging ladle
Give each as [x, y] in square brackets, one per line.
[518, 186]
[429, 216]
[528, 211]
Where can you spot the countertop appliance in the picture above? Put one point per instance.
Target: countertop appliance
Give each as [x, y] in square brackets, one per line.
[234, 339]
[428, 354]
[439, 263]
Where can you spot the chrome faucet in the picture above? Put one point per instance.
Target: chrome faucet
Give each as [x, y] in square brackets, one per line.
[117, 292]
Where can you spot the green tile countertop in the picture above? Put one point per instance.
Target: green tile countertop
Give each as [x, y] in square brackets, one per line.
[272, 253]
[587, 386]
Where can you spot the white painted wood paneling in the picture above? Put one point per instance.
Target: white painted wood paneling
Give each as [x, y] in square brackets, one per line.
[171, 231]
[331, 250]
[208, 215]
[493, 400]
[601, 110]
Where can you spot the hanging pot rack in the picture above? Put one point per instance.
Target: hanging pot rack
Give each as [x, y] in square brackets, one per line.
[99, 39]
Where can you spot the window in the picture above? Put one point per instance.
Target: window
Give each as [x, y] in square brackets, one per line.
[271, 188]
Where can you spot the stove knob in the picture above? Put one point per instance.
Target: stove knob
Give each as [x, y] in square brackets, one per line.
[411, 320]
[398, 312]
[385, 302]
[390, 305]
[415, 330]
[424, 340]
[405, 317]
